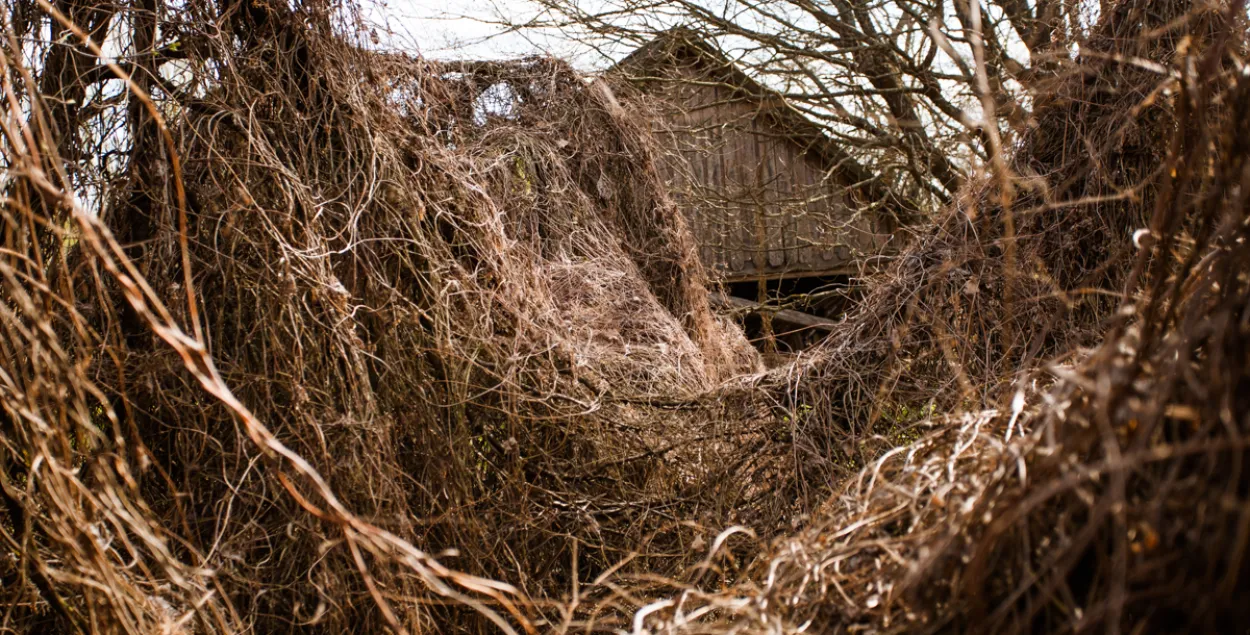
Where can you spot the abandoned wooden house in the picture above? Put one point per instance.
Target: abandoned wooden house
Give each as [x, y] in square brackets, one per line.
[776, 205]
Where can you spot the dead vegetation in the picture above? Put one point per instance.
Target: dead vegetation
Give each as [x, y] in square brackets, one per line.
[303, 337]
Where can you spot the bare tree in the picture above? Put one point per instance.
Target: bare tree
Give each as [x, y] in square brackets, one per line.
[894, 80]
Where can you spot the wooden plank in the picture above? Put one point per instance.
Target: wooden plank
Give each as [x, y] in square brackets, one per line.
[787, 316]
[847, 269]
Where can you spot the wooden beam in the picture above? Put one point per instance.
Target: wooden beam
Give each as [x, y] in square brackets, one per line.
[849, 269]
[789, 316]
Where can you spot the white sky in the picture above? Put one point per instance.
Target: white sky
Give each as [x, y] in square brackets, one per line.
[459, 29]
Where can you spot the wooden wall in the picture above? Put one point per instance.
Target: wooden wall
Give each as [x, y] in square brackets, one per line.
[760, 203]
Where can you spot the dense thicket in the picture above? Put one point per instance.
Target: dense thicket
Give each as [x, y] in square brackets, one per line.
[301, 337]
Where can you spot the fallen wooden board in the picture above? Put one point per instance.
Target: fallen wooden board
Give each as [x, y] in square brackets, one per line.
[789, 316]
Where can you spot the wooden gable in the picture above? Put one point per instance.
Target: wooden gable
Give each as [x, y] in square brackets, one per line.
[761, 186]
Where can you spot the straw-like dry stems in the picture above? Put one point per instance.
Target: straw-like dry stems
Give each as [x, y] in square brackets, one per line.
[299, 336]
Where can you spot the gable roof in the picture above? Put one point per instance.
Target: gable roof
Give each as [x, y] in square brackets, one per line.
[683, 48]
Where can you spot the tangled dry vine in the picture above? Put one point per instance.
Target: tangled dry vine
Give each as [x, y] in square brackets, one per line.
[299, 336]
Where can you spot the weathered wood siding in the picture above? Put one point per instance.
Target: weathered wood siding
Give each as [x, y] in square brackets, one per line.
[760, 203]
